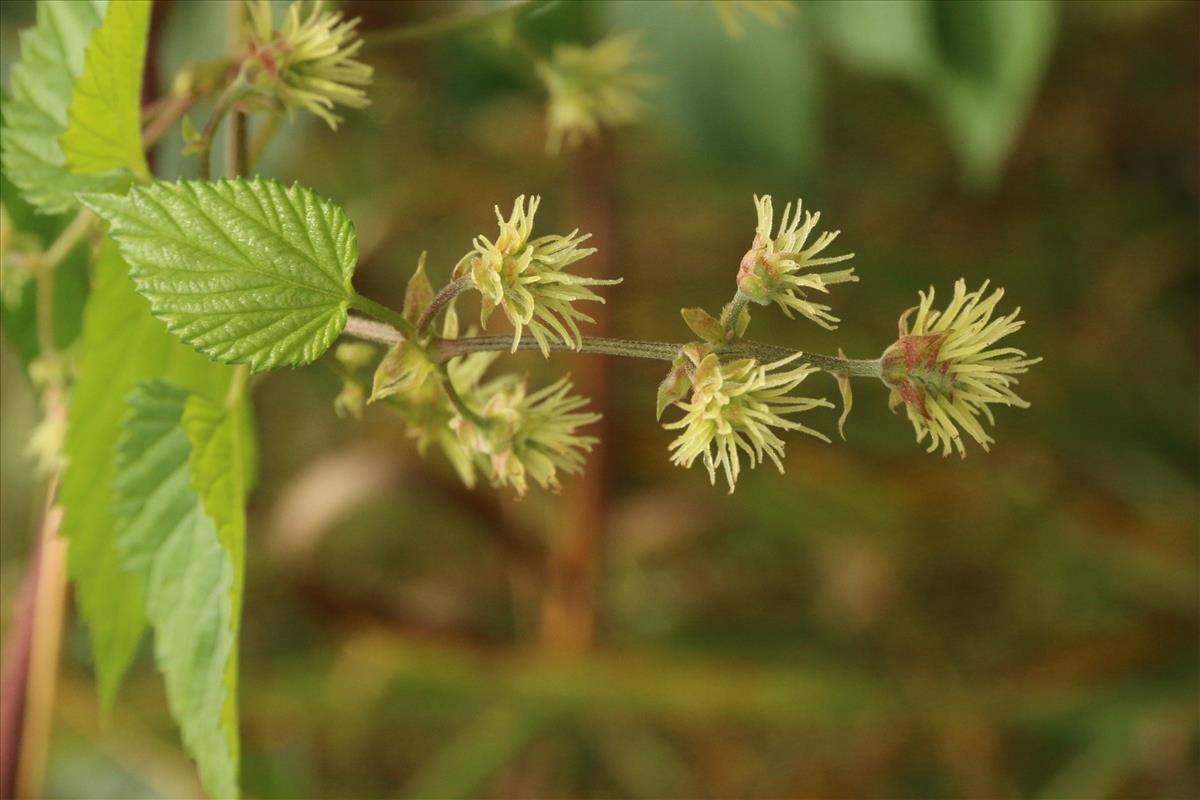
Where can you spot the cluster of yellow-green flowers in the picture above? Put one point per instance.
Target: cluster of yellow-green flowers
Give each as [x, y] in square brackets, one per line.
[946, 371]
[495, 427]
[528, 278]
[309, 63]
[732, 410]
[590, 86]
[736, 398]
[775, 268]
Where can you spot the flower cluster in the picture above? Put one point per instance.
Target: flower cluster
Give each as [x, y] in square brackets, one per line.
[946, 371]
[528, 278]
[310, 62]
[589, 86]
[732, 411]
[524, 436]
[774, 269]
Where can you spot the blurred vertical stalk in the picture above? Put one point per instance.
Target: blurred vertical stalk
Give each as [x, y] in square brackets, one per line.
[568, 609]
[49, 602]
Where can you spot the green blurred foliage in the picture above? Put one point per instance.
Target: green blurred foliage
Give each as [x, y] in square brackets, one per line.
[875, 623]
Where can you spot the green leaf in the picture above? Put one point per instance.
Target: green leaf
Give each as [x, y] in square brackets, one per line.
[248, 272]
[190, 574]
[121, 344]
[978, 63]
[104, 121]
[753, 101]
[704, 325]
[52, 54]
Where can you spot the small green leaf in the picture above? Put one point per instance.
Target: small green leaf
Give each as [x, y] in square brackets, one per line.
[674, 387]
[173, 447]
[419, 294]
[843, 382]
[247, 272]
[104, 121]
[121, 344]
[52, 55]
[704, 325]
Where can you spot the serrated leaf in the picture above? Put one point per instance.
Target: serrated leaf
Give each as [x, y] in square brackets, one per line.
[189, 574]
[248, 272]
[52, 55]
[104, 120]
[121, 344]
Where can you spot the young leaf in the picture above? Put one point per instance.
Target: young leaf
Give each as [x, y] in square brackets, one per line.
[248, 272]
[122, 344]
[52, 54]
[104, 120]
[704, 325]
[189, 575]
[418, 296]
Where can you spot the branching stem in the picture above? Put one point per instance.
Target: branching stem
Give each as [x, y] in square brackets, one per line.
[441, 300]
[444, 349]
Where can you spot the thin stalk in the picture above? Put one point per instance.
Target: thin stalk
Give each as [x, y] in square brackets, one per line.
[456, 400]
[236, 150]
[262, 137]
[385, 314]
[443, 350]
[72, 235]
[730, 313]
[174, 107]
[441, 300]
[233, 93]
[448, 25]
[42, 679]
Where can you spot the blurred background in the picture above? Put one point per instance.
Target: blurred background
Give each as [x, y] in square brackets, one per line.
[878, 622]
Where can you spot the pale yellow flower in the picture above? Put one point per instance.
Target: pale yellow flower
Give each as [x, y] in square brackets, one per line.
[775, 268]
[772, 12]
[309, 63]
[528, 436]
[732, 411]
[946, 372]
[590, 86]
[528, 278]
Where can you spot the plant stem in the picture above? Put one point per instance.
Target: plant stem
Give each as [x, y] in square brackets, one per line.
[446, 349]
[173, 107]
[385, 314]
[441, 300]
[456, 400]
[224, 103]
[448, 25]
[730, 313]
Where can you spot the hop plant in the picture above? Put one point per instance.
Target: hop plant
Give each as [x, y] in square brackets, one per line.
[775, 268]
[309, 63]
[733, 408]
[528, 278]
[524, 436]
[590, 86]
[946, 372]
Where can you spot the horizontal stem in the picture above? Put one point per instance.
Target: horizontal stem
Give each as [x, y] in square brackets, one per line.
[445, 349]
[384, 314]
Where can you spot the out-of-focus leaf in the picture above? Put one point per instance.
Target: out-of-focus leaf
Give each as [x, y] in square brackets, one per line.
[122, 344]
[750, 99]
[189, 571]
[979, 63]
[248, 272]
[104, 120]
[52, 55]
